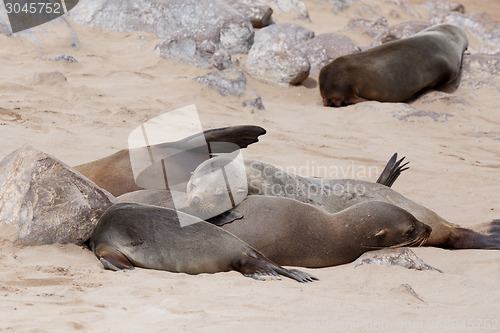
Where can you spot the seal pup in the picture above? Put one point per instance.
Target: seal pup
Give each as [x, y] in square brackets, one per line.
[129, 235]
[335, 195]
[397, 70]
[114, 172]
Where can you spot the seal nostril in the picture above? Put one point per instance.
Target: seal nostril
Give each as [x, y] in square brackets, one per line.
[196, 200]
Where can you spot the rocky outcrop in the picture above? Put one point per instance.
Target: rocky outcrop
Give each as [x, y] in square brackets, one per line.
[191, 30]
[44, 201]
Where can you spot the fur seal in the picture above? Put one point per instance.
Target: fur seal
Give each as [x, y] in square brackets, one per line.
[335, 195]
[299, 234]
[397, 70]
[114, 172]
[129, 235]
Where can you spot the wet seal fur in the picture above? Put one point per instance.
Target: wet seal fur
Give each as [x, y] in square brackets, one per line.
[130, 234]
[397, 70]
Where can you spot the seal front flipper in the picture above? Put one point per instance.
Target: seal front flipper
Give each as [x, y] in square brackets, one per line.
[392, 171]
[112, 259]
[225, 218]
[256, 266]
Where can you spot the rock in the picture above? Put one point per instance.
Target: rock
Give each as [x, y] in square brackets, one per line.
[191, 30]
[232, 82]
[46, 201]
[58, 58]
[479, 70]
[324, 48]
[274, 57]
[439, 8]
[257, 12]
[373, 27]
[486, 32]
[402, 30]
[222, 60]
[294, 7]
[403, 257]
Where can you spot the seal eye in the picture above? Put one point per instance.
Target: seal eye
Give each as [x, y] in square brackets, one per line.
[410, 230]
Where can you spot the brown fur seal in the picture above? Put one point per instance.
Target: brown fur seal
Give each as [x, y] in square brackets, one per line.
[335, 195]
[146, 236]
[114, 172]
[397, 70]
[291, 233]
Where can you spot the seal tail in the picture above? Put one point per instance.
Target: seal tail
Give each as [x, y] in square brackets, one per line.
[392, 171]
[258, 267]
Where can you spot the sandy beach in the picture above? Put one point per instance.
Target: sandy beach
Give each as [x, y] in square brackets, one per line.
[118, 83]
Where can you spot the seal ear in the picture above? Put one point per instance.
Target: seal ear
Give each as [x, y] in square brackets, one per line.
[380, 233]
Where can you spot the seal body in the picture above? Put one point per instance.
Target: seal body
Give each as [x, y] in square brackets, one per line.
[130, 234]
[298, 234]
[397, 70]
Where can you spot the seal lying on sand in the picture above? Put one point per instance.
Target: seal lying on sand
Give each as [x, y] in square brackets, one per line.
[114, 172]
[397, 70]
[335, 195]
[146, 236]
[295, 234]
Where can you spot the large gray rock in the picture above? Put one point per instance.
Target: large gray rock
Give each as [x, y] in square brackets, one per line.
[324, 48]
[258, 13]
[274, 57]
[45, 201]
[486, 32]
[232, 82]
[192, 30]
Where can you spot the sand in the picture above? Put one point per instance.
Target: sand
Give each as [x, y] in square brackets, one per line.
[119, 83]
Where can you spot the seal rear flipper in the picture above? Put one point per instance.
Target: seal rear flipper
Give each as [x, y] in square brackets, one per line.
[257, 266]
[480, 236]
[392, 171]
[112, 259]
